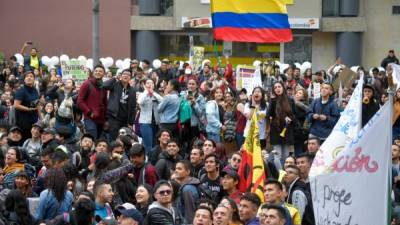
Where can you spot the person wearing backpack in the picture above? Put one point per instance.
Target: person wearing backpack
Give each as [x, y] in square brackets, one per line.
[188, 195]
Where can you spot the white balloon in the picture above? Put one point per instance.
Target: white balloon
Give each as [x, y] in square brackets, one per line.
[381, 69]
[204, 62]
[45, 60]
[277, 63]
[156, 63]
[127, 60]
[297, 65]
[306, 65]
[82, 58]
[54, 60]
[126, 65]
[257, 63]
[119, 63]
[102, 60]
[64, 58]
[354, 68]
[119, 70]
[89, 64]
[20, 58]
[109, 62]
[283, 67]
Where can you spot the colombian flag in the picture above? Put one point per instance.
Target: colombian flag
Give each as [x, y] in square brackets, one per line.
[251, 170]
[250, 21]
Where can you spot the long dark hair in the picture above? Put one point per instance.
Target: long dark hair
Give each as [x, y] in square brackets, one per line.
[56, 182]
[282, 106]
[235, 209]
[16, 202]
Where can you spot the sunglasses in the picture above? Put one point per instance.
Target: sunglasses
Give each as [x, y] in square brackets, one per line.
[166, 192]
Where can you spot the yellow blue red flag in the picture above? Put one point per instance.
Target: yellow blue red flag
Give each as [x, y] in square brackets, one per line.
[251, 169]
[259, 21]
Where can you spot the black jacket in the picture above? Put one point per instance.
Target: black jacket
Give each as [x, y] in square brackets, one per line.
[115, 87]
[308, 217]
[158, 215]
[165, 164]
[388, 60]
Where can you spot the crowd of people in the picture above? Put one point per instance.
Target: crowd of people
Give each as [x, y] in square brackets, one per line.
[163, 145]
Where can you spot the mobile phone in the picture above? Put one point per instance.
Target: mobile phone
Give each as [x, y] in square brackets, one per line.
[190, 93]
[29, 42]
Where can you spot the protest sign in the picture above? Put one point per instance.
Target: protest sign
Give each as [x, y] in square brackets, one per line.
[396, 74]
[247, 77]
[347, 77]
[344, 131]
[198, 56]
[316, 90]
[355, 191]
[73, 69]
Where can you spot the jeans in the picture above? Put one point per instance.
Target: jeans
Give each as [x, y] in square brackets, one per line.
[239, 140]
[148, 131]
[214, 137]
[93, 128]
[282, 151]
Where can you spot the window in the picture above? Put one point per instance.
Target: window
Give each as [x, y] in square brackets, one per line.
[330, 8]
[396, 10]
[299, 50]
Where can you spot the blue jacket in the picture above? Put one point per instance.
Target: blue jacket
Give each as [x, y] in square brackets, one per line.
[213, 122]
[168, 108]
[319, 128]
[49, 207]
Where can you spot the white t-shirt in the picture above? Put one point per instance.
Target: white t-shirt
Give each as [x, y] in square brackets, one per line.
[262, 121]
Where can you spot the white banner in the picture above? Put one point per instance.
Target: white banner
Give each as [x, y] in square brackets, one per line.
[344, 131]
[355, 192]
[248, 77]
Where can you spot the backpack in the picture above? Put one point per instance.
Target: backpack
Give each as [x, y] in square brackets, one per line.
[65, 109]
[185, 110]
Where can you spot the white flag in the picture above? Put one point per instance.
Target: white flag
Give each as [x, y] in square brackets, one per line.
[345, 129]
[355, 191]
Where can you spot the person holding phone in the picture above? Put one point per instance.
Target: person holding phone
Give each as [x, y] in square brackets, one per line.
[31, 61]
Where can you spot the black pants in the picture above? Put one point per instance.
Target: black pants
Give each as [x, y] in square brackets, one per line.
[113, 126]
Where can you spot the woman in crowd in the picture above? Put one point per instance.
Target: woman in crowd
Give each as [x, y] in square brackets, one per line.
[148, 116]
[214, 114]
[13, 165]
[47, 115]
[231, 205]
[282, 116]
[229, 120]
[257, 105]
[17, 209]
[23, 184]
[144, 197]
[301, 105]
[55, 199]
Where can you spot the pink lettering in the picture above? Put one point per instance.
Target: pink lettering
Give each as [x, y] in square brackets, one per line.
[357, 163]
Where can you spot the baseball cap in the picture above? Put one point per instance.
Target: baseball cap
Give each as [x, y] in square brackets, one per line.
[39, 125]
[49, 131]
[132, 213]
[15, 128]
[230, 173]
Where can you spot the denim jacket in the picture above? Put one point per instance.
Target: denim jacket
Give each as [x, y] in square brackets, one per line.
[49, 207]
[213, 123]
[169, 108]
[149, 104]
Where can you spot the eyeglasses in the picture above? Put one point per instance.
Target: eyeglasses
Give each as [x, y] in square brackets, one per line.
[165, 192]
[122, 132]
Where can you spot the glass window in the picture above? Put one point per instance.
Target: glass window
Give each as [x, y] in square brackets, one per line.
[299, 50]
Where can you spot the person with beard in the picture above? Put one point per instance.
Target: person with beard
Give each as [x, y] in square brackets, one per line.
[48, 139]
[81, 158]
[168, 159]
[31, 61]
[92, 100]
[15, 137]
[26, 105]
[369, 105]
[196, 161]
[313, 145]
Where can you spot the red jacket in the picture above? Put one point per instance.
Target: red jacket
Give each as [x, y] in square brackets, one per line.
[93, 100]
